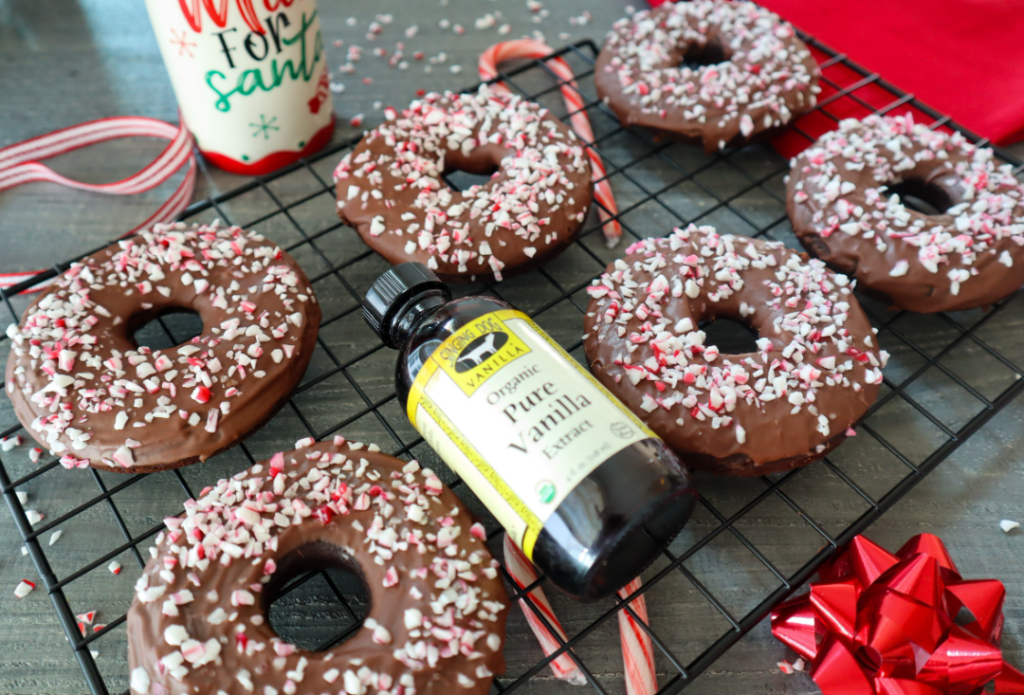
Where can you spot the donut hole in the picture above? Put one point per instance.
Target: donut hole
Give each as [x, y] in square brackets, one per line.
[477, 168]
[923, 196]
[464, 180]
[711, 53]
[165, 329]
[317, 598]
[730, 336]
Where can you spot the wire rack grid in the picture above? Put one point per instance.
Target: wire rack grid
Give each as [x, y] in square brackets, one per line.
[724, 572]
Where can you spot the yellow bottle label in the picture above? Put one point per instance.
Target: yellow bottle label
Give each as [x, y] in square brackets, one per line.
[517, 418]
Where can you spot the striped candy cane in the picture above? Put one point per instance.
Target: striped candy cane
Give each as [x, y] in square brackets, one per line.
[528, 48]
[524, 574]
[19, 164]
[637, 650]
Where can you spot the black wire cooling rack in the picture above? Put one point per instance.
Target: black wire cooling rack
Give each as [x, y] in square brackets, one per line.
[751, 543]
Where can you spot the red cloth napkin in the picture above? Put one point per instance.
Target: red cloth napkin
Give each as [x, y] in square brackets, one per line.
[964, 58]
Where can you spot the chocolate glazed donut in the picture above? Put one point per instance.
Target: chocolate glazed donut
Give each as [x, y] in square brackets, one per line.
[969, 255]
[83, 389]
[390, 187]
[756, 77]
[438, 607]
[815, 373]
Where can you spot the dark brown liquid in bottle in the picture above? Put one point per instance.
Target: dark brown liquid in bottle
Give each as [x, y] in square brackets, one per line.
[617, 520]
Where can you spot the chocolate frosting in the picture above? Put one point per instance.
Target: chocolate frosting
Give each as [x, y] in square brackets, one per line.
[438, 606]
[766, 75]
[816, 371]
[968, 256]
[83, 389]
[390, 188]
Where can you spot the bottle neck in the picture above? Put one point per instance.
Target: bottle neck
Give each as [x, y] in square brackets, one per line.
[412, 313]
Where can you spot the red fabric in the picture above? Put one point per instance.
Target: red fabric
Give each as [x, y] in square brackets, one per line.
[842, 96]
[964, 58]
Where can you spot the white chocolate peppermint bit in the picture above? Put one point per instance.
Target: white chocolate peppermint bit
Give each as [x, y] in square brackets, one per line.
[767, 78]
[467, 230]
[140, 681]
[320, 491]
[812, 349]
[954, 243]
[79, 378]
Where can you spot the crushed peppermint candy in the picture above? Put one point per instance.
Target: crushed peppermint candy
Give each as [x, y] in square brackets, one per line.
[390, 187]
[24, 588]
[414, 548]
[966, 256]
[114, 567]
[90, 397]
[767, 77]
[816, 363]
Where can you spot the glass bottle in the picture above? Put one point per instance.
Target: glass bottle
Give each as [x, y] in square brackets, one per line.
[580, 484]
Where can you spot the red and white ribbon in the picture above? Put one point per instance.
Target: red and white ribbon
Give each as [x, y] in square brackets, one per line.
[20, 164]
[528, 48]
[637, 649]
[524, 574]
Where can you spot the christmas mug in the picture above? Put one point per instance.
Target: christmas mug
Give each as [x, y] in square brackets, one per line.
[250, 77]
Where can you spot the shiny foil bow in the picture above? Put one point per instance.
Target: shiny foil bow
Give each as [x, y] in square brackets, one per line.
[903, 624]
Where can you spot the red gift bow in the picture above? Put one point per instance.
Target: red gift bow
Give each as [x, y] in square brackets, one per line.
[883, 624]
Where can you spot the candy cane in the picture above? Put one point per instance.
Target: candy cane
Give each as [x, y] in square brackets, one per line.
[637, 650]
[528, 48]
[524, 574]
[19, 164]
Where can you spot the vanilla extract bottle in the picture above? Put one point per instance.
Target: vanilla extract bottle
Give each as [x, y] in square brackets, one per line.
[588, 492]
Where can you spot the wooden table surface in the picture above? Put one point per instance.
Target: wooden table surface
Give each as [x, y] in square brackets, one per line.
[63, 62]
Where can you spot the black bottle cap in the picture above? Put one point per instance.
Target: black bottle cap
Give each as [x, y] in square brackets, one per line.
[392, 290]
